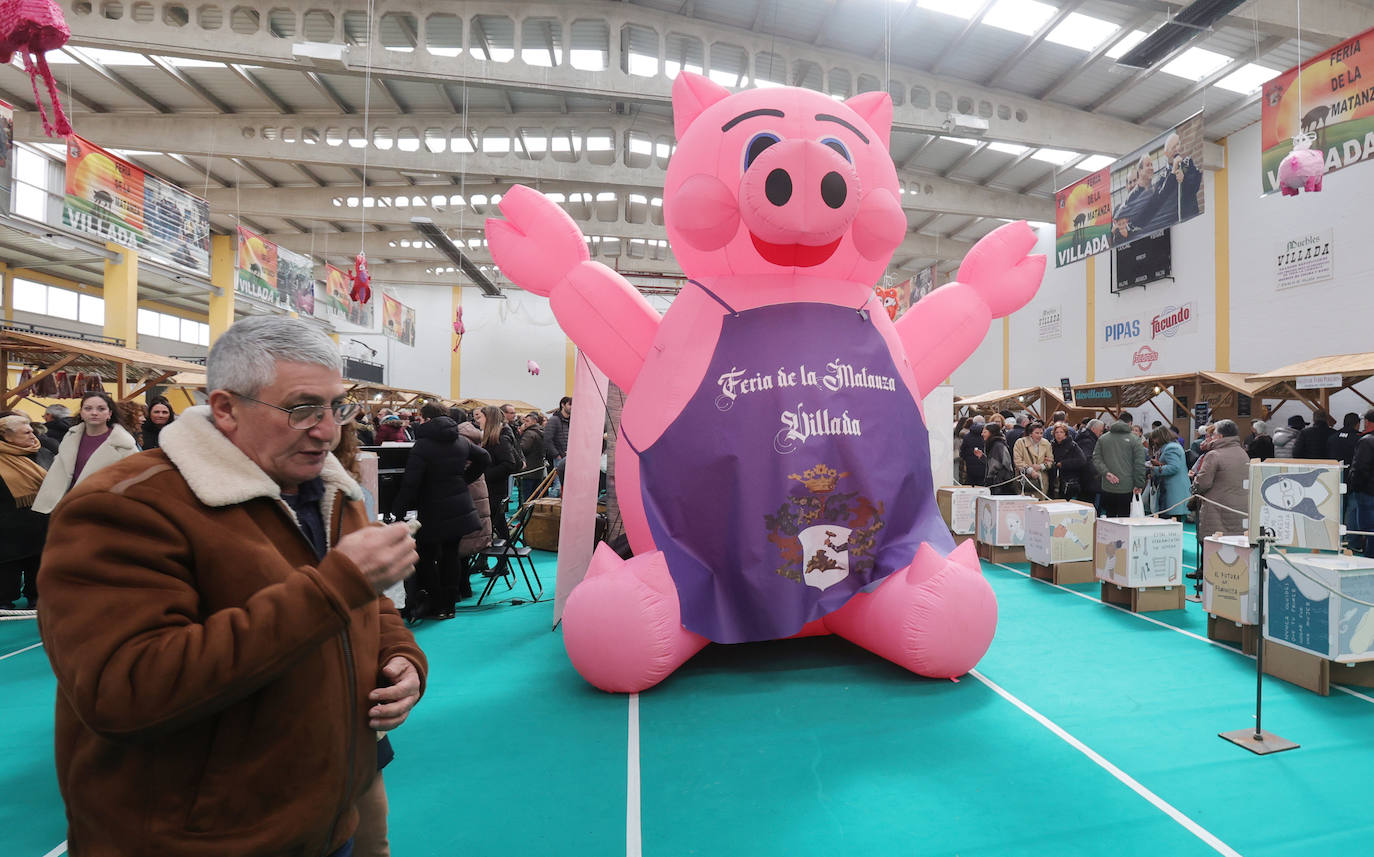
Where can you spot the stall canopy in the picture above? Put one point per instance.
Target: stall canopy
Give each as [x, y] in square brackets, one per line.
[1312, 382]
[1041, 402]
[521, 408]
[1228, 394]
[132, 372]
[376, 396]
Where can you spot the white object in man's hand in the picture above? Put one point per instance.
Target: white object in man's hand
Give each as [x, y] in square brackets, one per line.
[384, 554]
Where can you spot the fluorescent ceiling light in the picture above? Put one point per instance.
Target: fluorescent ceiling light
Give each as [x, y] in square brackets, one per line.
[1195, 63]
[1248, 78]
[108, 57]
[1096, 162]
[1019, 16]
[1119, 49]
[1084, 32]
[1008, 148]
[1058, 157]
[958, 8]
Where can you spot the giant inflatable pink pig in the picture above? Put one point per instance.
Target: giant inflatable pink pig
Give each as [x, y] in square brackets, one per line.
[772, 464]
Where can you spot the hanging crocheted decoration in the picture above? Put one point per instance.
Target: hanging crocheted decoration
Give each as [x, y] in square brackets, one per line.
[532, 367]
[1302, 168]
[31, 28]
[361, 279]
[458, 328]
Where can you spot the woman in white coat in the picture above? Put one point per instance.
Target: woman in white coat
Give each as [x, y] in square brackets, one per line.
[97, 441]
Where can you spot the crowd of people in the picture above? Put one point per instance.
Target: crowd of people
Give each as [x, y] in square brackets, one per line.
[1111, 466]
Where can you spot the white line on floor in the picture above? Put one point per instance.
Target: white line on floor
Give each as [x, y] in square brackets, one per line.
[20, 651]
[1130, 782]
[58, 851]
[1219, 645]
[634, 846]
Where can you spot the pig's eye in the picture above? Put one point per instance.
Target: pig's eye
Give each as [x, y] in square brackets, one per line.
[757, 145]
[837, 146]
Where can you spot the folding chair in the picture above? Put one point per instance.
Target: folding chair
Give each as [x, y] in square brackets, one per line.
[506, 551]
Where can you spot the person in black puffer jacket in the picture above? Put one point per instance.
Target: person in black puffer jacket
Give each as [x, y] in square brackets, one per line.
[440, 466]
[532, 443]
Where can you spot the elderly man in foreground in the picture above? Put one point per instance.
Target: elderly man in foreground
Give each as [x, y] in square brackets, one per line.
[212, 611]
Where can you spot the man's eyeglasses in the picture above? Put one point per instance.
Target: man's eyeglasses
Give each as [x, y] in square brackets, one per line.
[306, 417]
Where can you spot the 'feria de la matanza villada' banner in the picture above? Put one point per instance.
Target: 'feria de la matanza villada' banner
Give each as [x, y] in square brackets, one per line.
[1336, 91]
[111, 199]
[334, 302]
[274, 274]
[1153, 188]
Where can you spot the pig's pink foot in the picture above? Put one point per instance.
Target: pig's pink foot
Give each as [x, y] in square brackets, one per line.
[936, 617]
[622, 625]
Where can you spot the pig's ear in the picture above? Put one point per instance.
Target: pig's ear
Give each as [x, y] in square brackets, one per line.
[692, 94]
[876, 109]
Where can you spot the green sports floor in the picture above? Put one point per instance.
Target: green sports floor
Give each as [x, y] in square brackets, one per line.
[1086, 730]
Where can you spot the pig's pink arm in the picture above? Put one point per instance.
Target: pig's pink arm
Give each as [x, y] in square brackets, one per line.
[541, 249]
[996, 279]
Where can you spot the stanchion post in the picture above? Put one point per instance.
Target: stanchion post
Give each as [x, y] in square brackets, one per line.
[1256, 740]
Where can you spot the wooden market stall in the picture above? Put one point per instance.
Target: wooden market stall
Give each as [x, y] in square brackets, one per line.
[1040, 402]
[375, 396]
[1229, 395]
[43, 359]
[1313, 382]
[521, 407]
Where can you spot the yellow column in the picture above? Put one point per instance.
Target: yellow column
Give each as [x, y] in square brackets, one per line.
[455, 363]
[222, 275]
[1090, 304]
[121, 295]
[7, 291]
[571, 367]
[1221, 249]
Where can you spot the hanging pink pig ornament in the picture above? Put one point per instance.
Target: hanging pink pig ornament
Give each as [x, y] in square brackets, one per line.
[361, 279]
[1302, 168]
[772, 464]
[458, 328]
[532, 367]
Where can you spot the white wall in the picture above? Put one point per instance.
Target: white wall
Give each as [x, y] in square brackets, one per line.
[1034, 361]
[502, 336]
[423, 366]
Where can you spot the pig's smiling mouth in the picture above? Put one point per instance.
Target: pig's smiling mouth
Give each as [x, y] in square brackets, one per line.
[794, 255]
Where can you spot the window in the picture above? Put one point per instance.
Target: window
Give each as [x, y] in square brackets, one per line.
[164, 326]
[42, 299]
[31, 176]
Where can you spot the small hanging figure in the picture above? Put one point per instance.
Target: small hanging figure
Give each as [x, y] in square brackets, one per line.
[532, 367]
[31, 28]
[458, 328]
[1302, 168]
[361, 279]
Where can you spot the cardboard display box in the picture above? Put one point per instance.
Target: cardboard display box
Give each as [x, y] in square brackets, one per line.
[996, 553]
[1299, 500]
[1230, 579]
[1060, 531]
[957, 506]
[1002, 519]
[1063, 573]
[1313, 671]
[1139, 552]
[1302, 611]
[1226, 631]
[1144, 599]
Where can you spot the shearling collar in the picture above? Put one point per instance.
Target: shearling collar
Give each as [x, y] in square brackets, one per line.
[219, 474]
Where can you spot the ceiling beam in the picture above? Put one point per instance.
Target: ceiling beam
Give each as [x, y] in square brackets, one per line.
[117, 80]
[257, 86]
[191, 85]
[1032, 42]
[1332, 21]
[1139, 22]
[955, 43]
[1196, 89]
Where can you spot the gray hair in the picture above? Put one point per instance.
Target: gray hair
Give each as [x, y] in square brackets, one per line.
[244, 358]
[1260, 427]
[57, 411]
[1096, 424]
[1227, 428]
[13, 422]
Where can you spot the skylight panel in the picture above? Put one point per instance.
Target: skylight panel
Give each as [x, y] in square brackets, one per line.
[1248, 78]
[1119, 49]
[114, 58]
[1008, 148]
[1019, 16]
[1058, 157]
[1195, 63]
[1096, 162]
[187, 62]
[958, 8]
[1083, 32]
[963, 141]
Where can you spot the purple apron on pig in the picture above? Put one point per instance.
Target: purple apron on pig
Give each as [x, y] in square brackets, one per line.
[797, 475]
